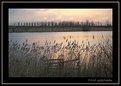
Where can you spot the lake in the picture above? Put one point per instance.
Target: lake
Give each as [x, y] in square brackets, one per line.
[76, 54]
[41, 37]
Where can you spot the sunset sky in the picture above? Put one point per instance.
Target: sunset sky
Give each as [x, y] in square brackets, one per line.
[35, 15]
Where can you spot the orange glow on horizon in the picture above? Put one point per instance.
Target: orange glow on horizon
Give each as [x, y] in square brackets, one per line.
[31, 15]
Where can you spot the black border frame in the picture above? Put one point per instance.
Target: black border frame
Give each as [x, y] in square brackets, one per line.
[62, 4]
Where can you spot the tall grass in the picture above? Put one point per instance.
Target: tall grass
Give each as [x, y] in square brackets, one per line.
[31, 60]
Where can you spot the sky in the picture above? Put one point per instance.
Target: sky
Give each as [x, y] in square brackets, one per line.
[38, 15]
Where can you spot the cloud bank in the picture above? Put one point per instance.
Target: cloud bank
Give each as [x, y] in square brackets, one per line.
[34, 15]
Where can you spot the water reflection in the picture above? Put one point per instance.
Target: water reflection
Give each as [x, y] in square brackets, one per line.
[51, 37]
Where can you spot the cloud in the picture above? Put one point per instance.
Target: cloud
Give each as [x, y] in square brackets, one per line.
[31, 15]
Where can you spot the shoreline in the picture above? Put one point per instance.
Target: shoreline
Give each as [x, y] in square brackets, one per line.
[58, 29]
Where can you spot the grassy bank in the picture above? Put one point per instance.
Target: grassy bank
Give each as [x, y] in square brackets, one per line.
[56, 29]
[30, 60]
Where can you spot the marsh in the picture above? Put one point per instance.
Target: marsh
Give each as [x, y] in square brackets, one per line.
[29, 53]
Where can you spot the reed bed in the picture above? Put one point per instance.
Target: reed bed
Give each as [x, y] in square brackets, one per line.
[31, 60]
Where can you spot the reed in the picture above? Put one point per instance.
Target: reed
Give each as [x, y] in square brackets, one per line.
[31, 60]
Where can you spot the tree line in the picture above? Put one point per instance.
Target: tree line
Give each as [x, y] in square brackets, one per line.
[62, 24]
[59, 26]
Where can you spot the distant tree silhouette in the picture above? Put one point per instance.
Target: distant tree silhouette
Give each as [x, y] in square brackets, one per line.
[59, 26]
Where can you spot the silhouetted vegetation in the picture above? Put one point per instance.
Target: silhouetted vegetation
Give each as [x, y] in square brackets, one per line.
[59, 26]
[31, 60]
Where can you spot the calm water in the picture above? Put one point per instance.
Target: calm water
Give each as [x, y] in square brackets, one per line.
[50, 37]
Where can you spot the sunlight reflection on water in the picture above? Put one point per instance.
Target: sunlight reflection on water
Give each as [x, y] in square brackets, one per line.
[58, 37]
